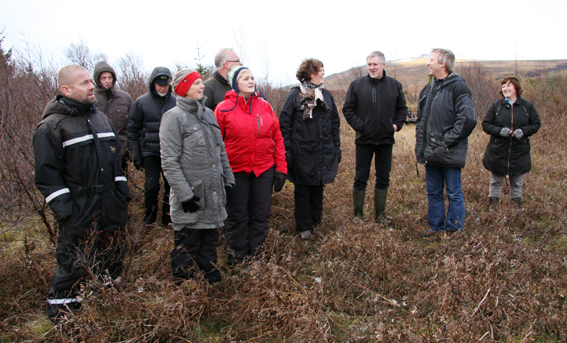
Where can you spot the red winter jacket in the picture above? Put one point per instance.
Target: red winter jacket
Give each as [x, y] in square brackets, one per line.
[251, 133]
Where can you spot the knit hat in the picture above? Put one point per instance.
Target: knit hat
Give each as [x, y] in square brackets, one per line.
[184, 79]
[232, 76]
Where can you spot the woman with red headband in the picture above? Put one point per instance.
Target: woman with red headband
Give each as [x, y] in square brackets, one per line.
[195, 163]
[255, 149]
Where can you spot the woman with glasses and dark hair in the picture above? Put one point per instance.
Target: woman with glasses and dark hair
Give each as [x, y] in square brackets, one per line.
[510, 122]
[310, 127]
[255, 149]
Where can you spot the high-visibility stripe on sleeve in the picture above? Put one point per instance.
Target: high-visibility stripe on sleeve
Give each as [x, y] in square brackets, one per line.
[56, 194]
[120, 178]
[64, 301]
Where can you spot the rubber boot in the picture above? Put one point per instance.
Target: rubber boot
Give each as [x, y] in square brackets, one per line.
[380, 197]
[518, 202]
[492, 203]
[358, 203]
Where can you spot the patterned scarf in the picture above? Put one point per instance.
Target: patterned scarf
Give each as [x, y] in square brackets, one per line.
[308, 97]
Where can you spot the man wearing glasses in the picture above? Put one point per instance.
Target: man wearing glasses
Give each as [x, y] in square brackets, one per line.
[217, 86]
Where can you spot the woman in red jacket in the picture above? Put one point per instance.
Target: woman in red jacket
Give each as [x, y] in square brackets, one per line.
[256, 153]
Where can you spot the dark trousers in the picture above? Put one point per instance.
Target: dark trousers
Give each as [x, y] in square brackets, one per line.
[249, 205]
[308, 206]
[100, 249]
[195, 251]
[382, 163]
[152, 166]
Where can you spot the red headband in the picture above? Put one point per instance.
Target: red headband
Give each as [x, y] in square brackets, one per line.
[186, 83]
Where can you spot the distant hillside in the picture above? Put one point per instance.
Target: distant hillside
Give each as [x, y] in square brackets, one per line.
[413, 73]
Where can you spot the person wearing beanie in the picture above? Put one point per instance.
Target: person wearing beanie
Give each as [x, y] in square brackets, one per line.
[144, 121]
[114, 103]
[191, 143]
[255, 149]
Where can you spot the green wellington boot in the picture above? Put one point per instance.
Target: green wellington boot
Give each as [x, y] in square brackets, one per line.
[380, 196]
[358, 203]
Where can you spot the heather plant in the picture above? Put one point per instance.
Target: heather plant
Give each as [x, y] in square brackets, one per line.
[500, 280]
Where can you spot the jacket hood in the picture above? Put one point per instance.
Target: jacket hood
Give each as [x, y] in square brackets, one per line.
[58, 105]
[240, 101]
[452, 78]
[159, 71]
[100, 68]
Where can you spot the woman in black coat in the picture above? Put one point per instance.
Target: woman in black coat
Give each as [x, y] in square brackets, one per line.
[510, 122]
[310, 124]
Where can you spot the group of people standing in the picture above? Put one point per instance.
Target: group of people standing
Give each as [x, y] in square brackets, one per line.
[221, 151]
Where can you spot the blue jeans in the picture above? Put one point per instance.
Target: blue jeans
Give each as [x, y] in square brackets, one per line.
[437, 178]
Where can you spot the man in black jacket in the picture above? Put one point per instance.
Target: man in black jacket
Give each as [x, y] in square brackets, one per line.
[78, 170]
[375, 107]
[144, 120]
[445, 119]
[114, 103]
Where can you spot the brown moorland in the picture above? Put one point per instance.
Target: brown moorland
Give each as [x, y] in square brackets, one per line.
[500, 280]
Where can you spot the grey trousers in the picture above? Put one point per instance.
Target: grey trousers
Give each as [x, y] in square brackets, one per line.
[496, 181]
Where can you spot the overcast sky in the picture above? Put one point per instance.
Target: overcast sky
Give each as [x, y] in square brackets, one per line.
[277, 35]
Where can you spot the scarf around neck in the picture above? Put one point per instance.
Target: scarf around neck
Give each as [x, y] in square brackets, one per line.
[308, 97]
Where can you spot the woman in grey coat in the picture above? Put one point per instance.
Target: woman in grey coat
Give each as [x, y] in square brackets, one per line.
[195, 163]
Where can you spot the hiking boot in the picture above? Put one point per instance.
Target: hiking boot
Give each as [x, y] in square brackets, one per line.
[517, 202]
[430, 233]
[358, 203]
[306, 235]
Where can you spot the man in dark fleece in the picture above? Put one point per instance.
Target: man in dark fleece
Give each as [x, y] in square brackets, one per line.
[217, 86]
[77, 169]
[375, 107]
[114, 103]
[144, 120]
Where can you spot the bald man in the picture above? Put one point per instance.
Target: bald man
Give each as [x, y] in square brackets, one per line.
[78, 170]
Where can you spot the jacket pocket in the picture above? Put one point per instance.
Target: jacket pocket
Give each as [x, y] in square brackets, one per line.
[194, 145]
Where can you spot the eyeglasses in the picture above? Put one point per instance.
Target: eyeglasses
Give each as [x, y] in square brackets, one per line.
[236, 61]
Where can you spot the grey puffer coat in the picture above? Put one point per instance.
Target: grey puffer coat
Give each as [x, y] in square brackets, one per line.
[194, 162]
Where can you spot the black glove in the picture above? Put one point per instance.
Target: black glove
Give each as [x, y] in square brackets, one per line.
[518, 133]
[505, 132]
[340, 153]
[191, 205]
[288, 158]
[139, 163]
[227, 190]
[279, 181]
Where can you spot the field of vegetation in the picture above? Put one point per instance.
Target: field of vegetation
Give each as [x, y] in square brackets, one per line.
[503, 279]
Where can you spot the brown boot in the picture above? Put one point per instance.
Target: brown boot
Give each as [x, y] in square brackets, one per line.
[517, 202]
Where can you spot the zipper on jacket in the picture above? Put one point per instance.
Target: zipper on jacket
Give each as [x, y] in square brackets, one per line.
[259, 120]
[374, 96]
[510, 146]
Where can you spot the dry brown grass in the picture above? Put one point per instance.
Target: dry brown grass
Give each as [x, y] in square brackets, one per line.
[501, 279]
